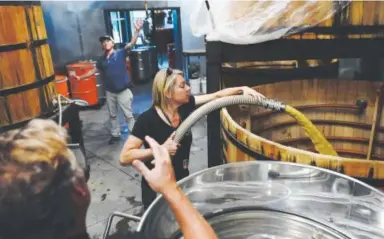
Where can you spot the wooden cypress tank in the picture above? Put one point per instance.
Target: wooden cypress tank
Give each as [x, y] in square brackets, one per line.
[349, 113]
[27, 85]
[357, 19]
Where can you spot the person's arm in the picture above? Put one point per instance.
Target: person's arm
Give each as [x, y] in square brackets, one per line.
[138, 26]
[162, 179]
[132, 150]
[86, 75]
[202, 99]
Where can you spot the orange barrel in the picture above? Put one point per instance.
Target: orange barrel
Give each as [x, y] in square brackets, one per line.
[85, 89]
[62, 85]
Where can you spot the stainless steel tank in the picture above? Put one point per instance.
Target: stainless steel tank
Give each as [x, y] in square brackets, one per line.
[153, 59]
[141, 65]
[278, 200]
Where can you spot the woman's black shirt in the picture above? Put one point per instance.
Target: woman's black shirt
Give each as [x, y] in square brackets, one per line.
[151, 124]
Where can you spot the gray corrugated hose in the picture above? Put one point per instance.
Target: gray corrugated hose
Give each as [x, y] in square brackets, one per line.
[196, 116]
[223, 102]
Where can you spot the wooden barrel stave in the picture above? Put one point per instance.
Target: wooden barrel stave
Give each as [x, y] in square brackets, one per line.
[12, 76]
[24, 72]
[38, 29]
[337, 116]
[17, 14]
[43, 55]
[27, 86]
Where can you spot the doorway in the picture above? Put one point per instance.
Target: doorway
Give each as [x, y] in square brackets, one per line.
[162, 30]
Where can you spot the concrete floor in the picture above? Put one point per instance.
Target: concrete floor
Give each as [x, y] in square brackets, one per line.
[117, 188]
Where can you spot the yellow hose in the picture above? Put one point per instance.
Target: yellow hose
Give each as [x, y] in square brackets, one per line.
[319, 141]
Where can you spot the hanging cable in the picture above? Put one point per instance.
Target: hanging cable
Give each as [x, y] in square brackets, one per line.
[68, 101]
[60, 110]
[146, 9]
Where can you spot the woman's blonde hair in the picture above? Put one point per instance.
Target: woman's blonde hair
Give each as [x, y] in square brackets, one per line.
[164, 83]
[39, 141]
[37, 172]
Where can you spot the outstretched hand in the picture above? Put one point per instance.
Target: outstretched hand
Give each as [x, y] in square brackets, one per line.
[139, 24]
[162, 177]
[251, 92]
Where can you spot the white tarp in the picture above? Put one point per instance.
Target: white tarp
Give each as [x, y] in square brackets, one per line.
[255, 21]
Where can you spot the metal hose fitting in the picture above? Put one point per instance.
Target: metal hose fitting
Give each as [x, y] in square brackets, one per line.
[223, 102]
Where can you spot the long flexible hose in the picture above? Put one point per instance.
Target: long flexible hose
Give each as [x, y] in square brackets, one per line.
[59, 103]
[220, 103]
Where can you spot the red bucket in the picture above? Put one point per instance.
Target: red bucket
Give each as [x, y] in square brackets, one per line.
[85, 89]
[62, 85]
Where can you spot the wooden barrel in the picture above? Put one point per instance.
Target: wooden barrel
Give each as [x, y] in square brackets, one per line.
[357, 19]
[85, 89]
[27, 86]
[363, 14]
[349, 113]
[62, 85]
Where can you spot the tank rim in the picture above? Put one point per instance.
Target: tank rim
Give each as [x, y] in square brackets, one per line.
[144, 219]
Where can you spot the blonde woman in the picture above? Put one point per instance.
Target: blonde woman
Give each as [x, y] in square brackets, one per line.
[172, 103]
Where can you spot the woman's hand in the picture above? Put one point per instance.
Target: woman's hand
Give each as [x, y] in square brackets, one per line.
[202, 99]
[162, 177]
[251, 92]
[171, 145]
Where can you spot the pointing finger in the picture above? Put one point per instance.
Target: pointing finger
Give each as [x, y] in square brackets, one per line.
[140, 166]
[157, 150]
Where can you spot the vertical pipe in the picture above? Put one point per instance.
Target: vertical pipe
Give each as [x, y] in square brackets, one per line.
[176, 15]
[213, 85]
[80, 36]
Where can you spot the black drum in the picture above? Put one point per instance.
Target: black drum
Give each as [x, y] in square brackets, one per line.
[141, 65]
[153, 58]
